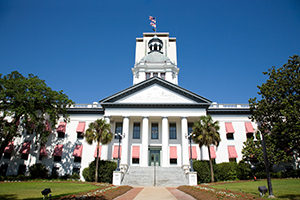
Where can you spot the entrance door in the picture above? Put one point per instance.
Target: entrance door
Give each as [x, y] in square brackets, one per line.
[154, 157]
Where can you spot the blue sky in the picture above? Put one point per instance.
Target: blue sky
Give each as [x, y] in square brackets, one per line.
[86, 48]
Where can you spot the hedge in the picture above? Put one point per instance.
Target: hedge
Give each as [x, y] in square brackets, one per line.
[105, 171]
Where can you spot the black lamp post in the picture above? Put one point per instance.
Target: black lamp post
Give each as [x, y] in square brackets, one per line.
[266, 160]
[189, 136]
[120, 136]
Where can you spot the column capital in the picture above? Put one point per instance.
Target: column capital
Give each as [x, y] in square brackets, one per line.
[183, 117]
[125, 117]
[164, 117]
[107, 116]
[145, 117]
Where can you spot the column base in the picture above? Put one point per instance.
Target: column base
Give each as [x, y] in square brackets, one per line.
[186, 168]
[123, 168]
[117, 178]
[192, 176]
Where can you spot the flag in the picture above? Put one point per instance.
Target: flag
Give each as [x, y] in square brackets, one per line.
[153, 25]
[153, 22]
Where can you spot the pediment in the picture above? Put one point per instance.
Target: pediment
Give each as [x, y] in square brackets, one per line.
[154, 94]
[155, 91]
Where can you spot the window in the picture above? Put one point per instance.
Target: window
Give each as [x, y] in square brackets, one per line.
[22, 169]
[190, 127]
[77, 159]
[41, 157]
[154, 131]
[232, 160]
[118, 129]
[250, 135]
[60, 134]
[172, 131]
[163, 75]
[173, 161]
[79, 135]
[229, 136]
[76, 170]
[3, 169]
[136, 130]
[57, 158]
[54, 172]
[135, 160]
[24, 156]
[7, 155]
[148, 74]
[155, 74]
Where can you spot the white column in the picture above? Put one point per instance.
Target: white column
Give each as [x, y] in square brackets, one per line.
[165, 142]
[145, 138]
[104, 150]
[185, 144]
[124, 156]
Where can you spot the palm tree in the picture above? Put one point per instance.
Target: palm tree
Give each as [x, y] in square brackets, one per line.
[99, 132]
[205, 133]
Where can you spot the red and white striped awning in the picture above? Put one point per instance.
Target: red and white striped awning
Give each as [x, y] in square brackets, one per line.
[58, 150]
[173, 152]
[95, 154]
[78, 150]
[80, 127]
[194, 152]
[229, 127]
[135, 151]
[115, 152]
[25, 148]
[61, 127]
[43, 151]
[232, 152]
[249, 127]
[9, 148]
[212, 152]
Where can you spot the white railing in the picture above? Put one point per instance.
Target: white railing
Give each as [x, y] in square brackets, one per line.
[80, 105]
[215, 105]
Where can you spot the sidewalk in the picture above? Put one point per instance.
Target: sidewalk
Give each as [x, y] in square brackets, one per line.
[161, 193]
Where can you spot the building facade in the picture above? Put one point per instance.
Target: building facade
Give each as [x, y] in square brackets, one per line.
[155, 115]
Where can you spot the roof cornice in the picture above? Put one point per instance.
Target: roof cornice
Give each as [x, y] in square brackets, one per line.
[151, 81]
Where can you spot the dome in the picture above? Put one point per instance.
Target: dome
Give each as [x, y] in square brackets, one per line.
[155, 57]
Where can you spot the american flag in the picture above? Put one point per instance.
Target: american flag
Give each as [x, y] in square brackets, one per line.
[153, 22]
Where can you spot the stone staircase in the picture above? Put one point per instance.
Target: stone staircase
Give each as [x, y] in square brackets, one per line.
[155, 176]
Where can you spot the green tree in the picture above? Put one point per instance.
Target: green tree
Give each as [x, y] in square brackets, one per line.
[99, 131]
[253, 152]
[278, 109]
[205, 133]
[29, 103]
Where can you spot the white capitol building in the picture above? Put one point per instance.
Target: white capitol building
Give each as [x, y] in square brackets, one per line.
[155, 114]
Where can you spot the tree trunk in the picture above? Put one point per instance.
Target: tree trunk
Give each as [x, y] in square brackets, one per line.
[211, 166]
[97, 163]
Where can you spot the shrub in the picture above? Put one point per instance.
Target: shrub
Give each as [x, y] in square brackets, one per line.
[38, 171]
[225, 171]
[243, 171]
[75, 176]
[203, 171]
[105, 171]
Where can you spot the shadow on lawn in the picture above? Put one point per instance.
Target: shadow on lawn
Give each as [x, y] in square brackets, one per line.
[8, 196]
[52, 197]
[290, 196]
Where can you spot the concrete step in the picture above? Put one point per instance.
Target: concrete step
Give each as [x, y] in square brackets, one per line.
[160, 176]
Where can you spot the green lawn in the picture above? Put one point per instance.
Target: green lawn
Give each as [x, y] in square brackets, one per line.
[282, 188]
[32, 190]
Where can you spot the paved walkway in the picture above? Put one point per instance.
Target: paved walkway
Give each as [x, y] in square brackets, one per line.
[161, 193]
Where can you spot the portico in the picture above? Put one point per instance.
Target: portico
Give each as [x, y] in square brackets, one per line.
[159, 139]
